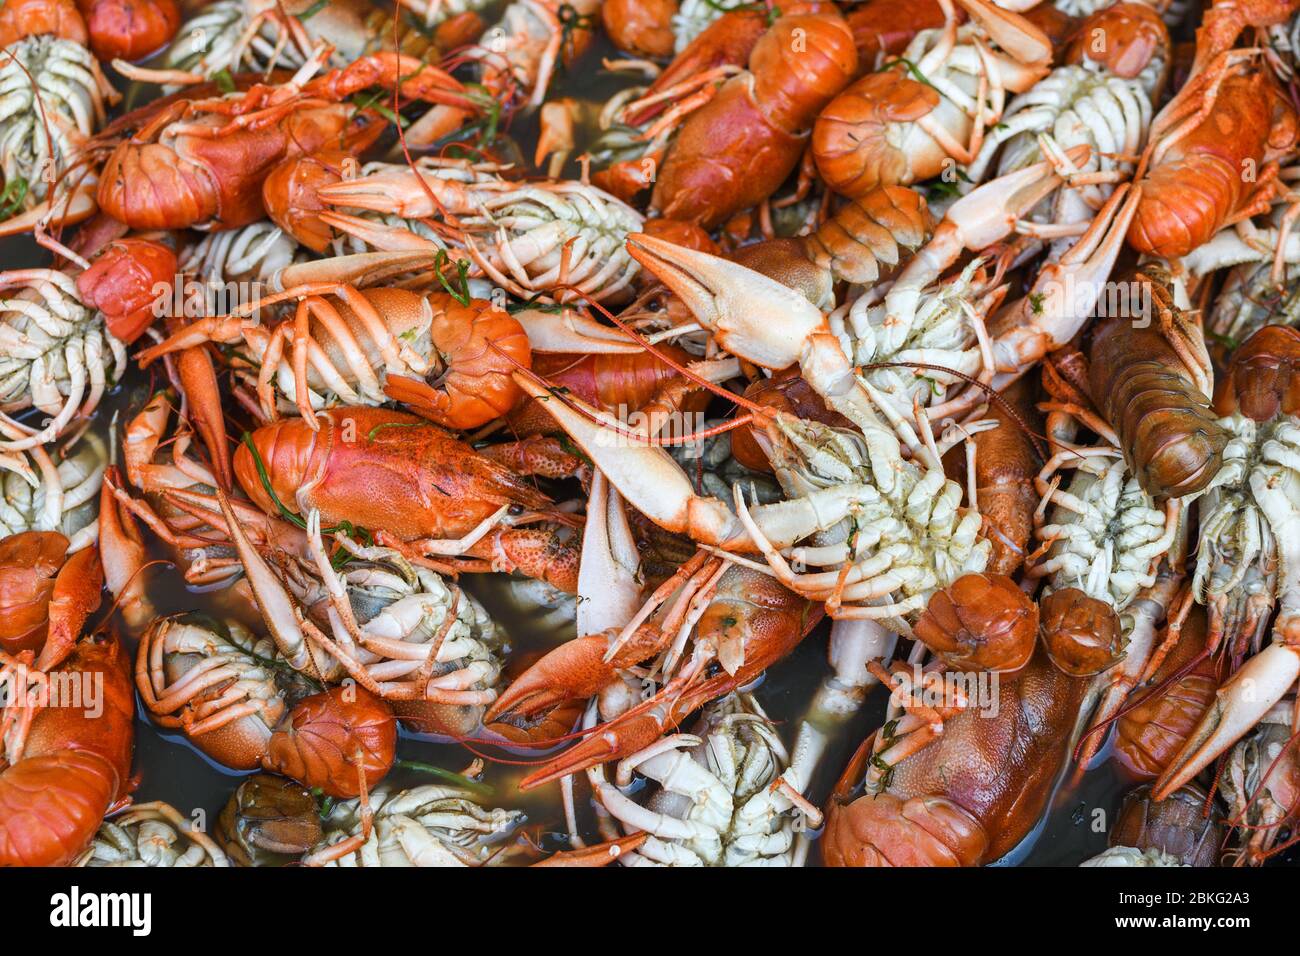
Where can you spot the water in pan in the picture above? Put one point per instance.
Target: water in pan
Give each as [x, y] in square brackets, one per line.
[170, 769]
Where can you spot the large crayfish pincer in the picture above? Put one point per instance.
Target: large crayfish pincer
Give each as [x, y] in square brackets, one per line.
[1145, 368]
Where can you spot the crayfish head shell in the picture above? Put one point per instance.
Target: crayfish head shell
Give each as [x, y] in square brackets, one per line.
[1177, 825]
[268, 820]
[1261, 379]
[1141, 38]
[25, 18]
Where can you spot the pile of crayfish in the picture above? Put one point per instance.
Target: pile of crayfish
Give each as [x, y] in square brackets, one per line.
[423, 402]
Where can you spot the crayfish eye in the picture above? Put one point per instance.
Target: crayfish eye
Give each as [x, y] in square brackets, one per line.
[516, 510]
[713, 670]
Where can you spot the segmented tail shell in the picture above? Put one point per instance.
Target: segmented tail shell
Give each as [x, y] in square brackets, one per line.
[884, 830]
[865, 240]
[1168, 432]
[1261, 381]
[330, 738]
[1151, 734]
[1082, 634]
[851, 138]
[980, 622]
